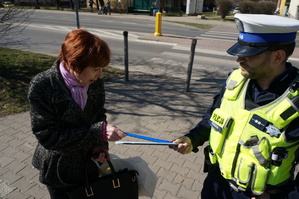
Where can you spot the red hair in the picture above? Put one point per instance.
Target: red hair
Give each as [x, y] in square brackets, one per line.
[81, 49]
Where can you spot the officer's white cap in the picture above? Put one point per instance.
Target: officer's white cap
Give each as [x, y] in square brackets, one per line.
[258, 32]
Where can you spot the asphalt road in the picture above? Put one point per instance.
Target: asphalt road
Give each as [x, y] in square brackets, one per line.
[171, 52]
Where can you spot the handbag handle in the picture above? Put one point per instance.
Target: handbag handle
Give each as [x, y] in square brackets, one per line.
[115, 180]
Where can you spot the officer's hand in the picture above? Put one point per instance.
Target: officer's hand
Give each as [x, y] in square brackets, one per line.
[184, 147]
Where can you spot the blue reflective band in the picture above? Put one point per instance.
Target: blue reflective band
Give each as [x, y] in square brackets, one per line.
[267, 37]
[147, 138]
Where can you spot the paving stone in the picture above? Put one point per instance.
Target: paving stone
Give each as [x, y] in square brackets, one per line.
[15, 142]
[31, 140]
[21, 156]
[179, 170]
[3, 146]
[169, 187]
[3, 170]
[23, 185]
[4, 161]
[163, 164]
[176, 160]
[12, 177]
[26, 148]
[16, 195]
[185, 193]
[46, 197]
[184, 181]
[198, 184]
[37, 192]
[23, 118]
[166, 174]
[2, 128]
[28, 172]
[6, 138]
[15, 166]
[21, 135]
[147, 150]
[169, 196]
[159, 153]
[8, 121]
[25, 129]
[193, 166]
[5, 188]
[15, 125]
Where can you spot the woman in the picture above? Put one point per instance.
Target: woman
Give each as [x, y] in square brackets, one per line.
[68, 115]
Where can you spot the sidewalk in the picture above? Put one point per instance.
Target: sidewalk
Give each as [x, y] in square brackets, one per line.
[148, 105]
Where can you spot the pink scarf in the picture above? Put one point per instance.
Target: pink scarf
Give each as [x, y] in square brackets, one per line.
[79, 92]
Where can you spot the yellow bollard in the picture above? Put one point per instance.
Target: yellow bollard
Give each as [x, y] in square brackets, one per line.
[158, 24]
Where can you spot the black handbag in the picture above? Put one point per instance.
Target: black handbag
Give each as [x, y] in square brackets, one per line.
[117, 185]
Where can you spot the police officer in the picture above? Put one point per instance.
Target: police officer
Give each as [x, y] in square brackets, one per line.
[253, 124]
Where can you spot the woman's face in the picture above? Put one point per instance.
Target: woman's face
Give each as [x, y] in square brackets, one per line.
[88, 75]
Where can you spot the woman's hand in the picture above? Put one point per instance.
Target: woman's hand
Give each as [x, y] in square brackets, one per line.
[100, 154]
[184, 147]
[113, 133]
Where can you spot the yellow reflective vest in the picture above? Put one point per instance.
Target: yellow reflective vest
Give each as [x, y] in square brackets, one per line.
[250, 145]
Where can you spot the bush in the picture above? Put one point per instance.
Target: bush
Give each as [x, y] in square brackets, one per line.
[262, 7]
[266, 7]
[247, 6]
[114, 5]
[224, 7]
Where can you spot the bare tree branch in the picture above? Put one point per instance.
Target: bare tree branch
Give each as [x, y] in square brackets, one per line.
[13, 20]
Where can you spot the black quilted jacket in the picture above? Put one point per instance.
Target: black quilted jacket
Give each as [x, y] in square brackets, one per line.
[66, 135]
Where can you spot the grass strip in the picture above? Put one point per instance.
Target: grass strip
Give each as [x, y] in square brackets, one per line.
[17, 68]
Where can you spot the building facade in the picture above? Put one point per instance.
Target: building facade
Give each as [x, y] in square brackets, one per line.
[293, 11]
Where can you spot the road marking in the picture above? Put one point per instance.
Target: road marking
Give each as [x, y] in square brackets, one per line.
[200, 50]
[129, 23]
[216, 35]
[115, 34]
[206, 58]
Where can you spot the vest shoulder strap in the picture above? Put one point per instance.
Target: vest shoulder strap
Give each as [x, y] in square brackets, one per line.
[235, 79]
[294, 100]
[234, 85]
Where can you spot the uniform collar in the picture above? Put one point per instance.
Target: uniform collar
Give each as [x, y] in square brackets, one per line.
[277, 87]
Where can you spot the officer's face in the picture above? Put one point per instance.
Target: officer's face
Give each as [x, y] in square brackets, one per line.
[257, 67]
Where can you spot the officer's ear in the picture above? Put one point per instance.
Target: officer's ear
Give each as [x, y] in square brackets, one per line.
[278, 57]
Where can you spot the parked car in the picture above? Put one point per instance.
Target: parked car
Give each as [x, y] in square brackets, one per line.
[7, 4]
[236, 10]
[206, 9]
